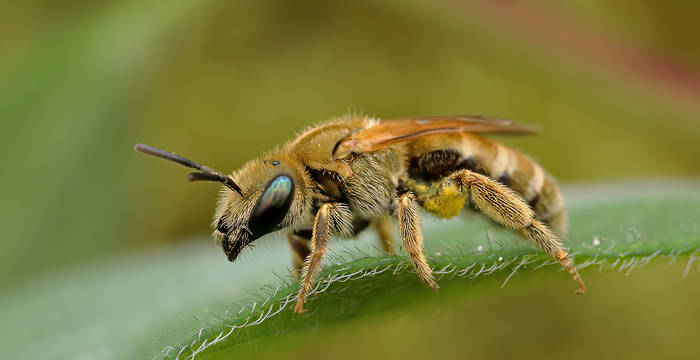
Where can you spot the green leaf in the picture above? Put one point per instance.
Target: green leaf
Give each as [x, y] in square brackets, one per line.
[185, 297]
[614, 228]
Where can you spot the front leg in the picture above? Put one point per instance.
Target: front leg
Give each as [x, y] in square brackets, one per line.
[412, 237]
[300, 243]
[330, 218]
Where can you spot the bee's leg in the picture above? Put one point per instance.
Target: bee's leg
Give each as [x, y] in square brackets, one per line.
[384, 227]
[412, 237]
[300, 242]
[508, 209]
[330, 218]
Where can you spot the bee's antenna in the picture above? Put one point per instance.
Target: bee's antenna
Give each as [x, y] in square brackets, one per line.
[206, 173]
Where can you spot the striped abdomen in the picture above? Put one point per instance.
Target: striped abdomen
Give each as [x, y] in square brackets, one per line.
[434, 157]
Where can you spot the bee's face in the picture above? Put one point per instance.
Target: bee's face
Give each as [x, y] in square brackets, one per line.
[276, 195]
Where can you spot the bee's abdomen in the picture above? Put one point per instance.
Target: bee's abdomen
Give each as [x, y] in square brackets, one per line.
[434, 157]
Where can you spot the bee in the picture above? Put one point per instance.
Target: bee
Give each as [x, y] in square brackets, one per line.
[339, 177]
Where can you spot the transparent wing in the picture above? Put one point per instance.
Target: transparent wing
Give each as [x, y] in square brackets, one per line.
[392, 131]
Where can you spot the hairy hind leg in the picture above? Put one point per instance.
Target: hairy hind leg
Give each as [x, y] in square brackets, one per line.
[508, 209]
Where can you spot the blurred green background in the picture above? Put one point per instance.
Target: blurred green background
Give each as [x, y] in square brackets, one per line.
[614, 86]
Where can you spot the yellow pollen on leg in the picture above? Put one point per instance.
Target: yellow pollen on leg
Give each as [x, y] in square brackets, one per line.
[448, 202]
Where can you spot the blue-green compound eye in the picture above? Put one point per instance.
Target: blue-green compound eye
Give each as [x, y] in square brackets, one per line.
[272, 206]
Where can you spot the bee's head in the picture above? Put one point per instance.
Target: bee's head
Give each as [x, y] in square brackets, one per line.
[264, 196]
[276, 195]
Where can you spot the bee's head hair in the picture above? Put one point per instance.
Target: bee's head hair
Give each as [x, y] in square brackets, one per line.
[205, 173]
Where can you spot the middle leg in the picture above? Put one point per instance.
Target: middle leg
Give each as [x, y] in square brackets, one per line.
[412, 237]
